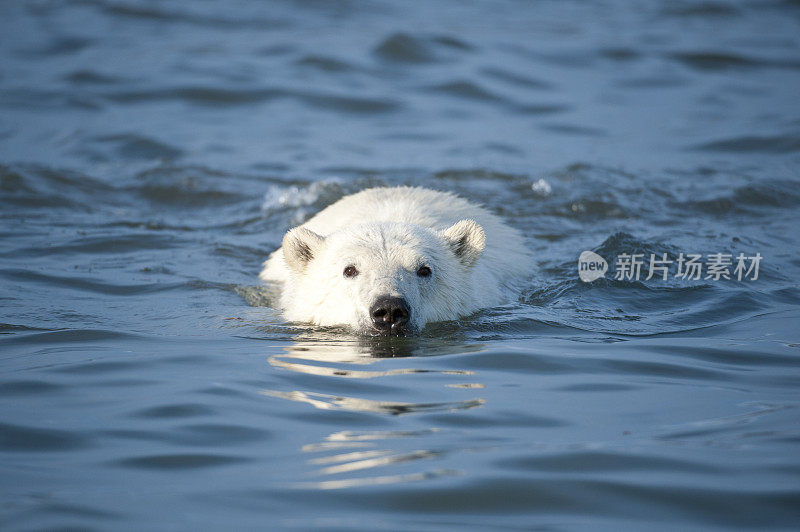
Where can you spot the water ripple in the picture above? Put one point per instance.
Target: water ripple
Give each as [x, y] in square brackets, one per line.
[181, 461]
[410, 48]
[584, 462]
[86, 284]
[753, 144]
[26, 439]
[354, 404]
[213, 96]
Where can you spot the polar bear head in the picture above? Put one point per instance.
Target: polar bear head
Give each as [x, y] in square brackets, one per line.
[384, 278]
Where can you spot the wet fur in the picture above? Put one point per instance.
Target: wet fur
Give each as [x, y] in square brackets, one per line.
[477, 260]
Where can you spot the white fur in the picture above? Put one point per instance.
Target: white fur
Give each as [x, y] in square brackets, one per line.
[387, 234]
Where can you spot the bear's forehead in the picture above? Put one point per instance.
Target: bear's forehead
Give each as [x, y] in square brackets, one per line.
[380, 236]
[398, 240]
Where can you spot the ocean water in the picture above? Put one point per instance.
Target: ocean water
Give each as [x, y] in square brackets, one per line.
[153, 153]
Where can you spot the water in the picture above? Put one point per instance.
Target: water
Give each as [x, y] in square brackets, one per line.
[153, 153]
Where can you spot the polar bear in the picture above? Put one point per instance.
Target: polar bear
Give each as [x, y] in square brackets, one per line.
[386, 261]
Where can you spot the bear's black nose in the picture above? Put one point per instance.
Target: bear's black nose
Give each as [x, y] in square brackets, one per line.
[390, 315]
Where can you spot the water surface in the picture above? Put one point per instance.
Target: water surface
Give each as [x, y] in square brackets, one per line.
[153, 153]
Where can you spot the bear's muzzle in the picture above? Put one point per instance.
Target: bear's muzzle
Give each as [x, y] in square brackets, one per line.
[390, 315]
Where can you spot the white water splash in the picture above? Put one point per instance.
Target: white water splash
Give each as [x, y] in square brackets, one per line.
[296, 197]
[542, 188]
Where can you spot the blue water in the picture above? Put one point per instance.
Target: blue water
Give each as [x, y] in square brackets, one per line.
[152, 154]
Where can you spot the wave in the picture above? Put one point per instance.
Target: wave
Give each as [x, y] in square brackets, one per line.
[217, 96]
[753, 144]
[417, 48]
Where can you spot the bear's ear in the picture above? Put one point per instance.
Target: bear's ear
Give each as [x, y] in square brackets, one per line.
[300, 246]
[467, 240]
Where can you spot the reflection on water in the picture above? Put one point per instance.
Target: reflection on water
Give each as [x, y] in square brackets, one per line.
[333, 358]
[324, 356]
[375, 481]
[347, 438]
[325, 353]
[357, 461]
[286, 363]
[340, 345]
[332, 402]
[349, 462]
[334, 354]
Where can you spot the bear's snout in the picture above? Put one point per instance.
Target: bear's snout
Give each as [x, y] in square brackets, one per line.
[390, 315]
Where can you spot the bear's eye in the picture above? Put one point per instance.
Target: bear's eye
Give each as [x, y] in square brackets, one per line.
[350, 271]
[424, 271]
